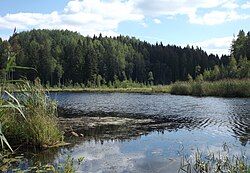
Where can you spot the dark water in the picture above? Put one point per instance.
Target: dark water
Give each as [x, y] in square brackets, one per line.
[204, 123]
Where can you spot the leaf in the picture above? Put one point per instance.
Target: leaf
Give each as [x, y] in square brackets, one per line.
[3, 139]
[18, 107]
[24, 68]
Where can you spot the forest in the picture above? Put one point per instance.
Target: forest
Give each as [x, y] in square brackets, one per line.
[62, 57]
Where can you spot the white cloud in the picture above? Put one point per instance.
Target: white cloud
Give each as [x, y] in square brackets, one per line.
[87, 17]
[216, 17]
[216, 11]
[94, 16]
[230, 5]
[157, 21]
[216, 45]
[144, 24]
[246, 5]
[105, 157]
[173, 7]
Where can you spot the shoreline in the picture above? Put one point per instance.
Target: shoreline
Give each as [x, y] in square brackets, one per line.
[154, 89]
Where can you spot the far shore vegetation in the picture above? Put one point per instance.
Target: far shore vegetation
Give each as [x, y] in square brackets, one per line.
[230, 81]
[73, 63]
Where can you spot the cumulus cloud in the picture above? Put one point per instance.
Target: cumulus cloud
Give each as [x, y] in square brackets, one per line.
[94, 16]
[216, 17]
[106, 157]
[216, 11]
[87, 17]
[230, 5]
[173, 7]
[216, 45]
[246, 5]
[157, 21]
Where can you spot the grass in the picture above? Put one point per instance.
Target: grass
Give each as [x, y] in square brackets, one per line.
[215, 162]
[38, 125]
[222, 88]
[143, 89]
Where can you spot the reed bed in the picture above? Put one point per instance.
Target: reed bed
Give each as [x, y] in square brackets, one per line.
[222, 88]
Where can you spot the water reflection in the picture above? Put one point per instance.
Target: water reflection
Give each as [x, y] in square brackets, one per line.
[230, 116]
[181, 125]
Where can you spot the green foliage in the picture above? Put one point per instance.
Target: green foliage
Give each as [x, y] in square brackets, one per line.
[181, 88]
[241, 45]
[197, 70]
[199, 78]
[63, 57]
[234, 70]
[151, 78]
[190, 78]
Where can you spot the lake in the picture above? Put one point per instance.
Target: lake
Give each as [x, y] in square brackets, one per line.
[188, 124]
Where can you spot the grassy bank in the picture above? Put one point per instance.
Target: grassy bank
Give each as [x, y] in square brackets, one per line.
[222, 88]
[144, 89]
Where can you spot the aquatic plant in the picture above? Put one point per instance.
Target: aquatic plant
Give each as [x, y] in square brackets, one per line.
[14, 163]
[211, 162]
[40, 125]
[222, 88]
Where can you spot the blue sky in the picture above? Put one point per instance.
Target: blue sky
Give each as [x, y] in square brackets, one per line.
[209, 24]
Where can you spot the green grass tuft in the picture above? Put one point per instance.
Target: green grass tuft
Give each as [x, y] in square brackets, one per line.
[40, 125]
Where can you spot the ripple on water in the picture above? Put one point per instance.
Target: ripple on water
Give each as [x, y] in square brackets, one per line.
[191, 123]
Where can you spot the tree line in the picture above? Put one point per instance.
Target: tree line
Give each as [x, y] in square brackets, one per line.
[236, 67]
[63, 57]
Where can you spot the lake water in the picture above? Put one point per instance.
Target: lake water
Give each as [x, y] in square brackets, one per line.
[195, 123]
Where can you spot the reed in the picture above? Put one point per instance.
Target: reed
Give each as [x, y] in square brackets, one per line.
[221, 88]
[38, 125]
[215, 162]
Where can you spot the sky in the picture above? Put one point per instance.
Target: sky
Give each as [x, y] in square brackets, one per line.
[209, 24]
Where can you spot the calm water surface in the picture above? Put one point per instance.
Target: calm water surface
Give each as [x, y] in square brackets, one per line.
[205, 123]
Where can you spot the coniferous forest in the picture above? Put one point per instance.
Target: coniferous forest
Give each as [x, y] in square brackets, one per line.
[65, 57]
[62, 57]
